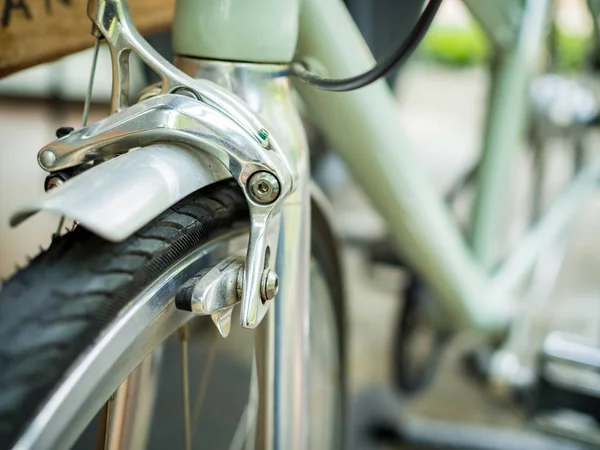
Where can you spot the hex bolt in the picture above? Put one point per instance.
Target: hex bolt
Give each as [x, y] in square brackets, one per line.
[269, 285]
[263, 187]
[48, 158]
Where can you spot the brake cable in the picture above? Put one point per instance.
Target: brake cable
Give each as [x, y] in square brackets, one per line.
[402, 51]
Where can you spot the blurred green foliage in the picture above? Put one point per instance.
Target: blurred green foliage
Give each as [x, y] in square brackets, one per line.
[572, 51]
[455, 46]
[466, 46]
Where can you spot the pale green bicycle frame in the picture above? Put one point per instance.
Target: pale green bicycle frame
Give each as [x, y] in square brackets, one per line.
[364, 128]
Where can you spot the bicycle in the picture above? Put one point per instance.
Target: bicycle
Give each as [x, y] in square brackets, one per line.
[198, 198]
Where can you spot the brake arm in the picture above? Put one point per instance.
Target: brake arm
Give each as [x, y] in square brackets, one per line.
[200, 115]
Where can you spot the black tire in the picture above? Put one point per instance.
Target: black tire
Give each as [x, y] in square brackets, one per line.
[53, 310]
[409, 376]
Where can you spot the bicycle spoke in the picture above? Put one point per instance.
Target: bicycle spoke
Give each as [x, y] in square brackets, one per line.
[206, 373]
[243, 432]
[239, 437]
[102, 435]
[88, 95]
[61, 222]
[88, 100]
[183, 337]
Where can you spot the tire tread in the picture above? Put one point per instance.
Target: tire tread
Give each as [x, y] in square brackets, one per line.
[53, 309]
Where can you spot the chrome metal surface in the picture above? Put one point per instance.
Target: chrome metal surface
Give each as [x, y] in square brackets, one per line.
[114, 22]
[175, 119]
[149, 319]
[217, 291]
[263, 187]
[569, 366]
[222, 321]
[269, 285]
[204, 117]
[186, 121]
[283, 347]
[48, 158]
[131, 409]
[118, 197]
[219, 288]
[267, 416]
[570, 349]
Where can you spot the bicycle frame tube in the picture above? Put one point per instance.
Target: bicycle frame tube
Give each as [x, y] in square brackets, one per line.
[282, 339]
[506, 119]
[508, 107]
[262, 31]
[257, 32]
[363, 126]
[498, 18]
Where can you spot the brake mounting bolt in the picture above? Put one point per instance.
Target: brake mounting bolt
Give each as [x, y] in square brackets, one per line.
[263, 187]
[269, 285]
[48, 158]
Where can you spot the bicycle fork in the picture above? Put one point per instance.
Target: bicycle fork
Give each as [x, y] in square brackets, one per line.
[282, 341]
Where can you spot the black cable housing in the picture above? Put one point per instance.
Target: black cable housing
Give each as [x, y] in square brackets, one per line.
[403, 50]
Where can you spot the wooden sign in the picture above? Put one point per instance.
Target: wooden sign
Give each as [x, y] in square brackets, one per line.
[37, 31]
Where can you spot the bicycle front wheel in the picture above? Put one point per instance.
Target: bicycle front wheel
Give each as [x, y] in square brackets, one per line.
[82, 316]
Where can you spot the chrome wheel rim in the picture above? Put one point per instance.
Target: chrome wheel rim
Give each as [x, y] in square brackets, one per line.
[142, 326]
[146, 322]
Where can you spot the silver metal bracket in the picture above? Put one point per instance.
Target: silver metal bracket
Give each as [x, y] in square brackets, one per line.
[216, 290]
[113, 20]
[199, 115]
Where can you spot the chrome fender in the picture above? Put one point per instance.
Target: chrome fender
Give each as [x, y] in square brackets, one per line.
[120, 196]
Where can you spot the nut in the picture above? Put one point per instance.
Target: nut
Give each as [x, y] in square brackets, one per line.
[269, 285]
